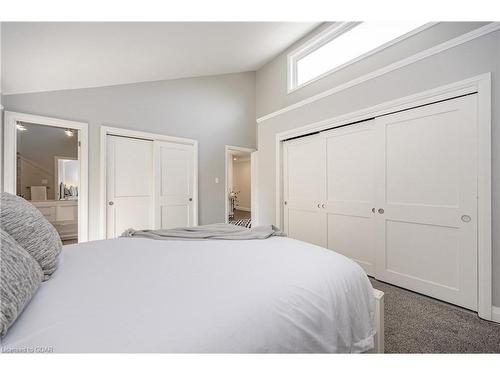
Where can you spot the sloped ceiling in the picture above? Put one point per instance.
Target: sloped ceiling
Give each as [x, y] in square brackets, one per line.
[53, 56]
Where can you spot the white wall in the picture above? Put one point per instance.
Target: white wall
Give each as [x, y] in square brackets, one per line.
[241, 183]
[475, 57]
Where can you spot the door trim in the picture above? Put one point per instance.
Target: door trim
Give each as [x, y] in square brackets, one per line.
[108, 130]
[253, 179]
[481, 85]
[10, 150]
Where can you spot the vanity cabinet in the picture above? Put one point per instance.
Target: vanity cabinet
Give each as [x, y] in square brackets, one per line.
[62, 214]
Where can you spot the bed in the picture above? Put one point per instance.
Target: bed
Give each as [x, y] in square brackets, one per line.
[133, 295]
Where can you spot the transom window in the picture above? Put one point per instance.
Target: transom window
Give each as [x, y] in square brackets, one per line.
[342, 44]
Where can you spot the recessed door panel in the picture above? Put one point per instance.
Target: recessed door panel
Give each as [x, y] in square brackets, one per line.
[307, 225]
[352, 236]
[422, 159]
[174, 216]
[304, 189]
[350, 192]
[129, 185]
[174, 166]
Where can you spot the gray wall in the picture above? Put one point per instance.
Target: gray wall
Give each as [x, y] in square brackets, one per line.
[216, 111]
[271, 80]
[475, 57]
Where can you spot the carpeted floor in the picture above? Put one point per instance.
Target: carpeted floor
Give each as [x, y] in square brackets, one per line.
[418, 324]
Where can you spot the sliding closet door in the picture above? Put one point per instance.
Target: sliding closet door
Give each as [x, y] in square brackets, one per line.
[350, 192]
[304, 189]
[426, 200]
[174, 187]
[129, 184]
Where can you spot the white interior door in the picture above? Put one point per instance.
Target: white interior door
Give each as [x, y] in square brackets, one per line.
[426, 217]
[129, 186]
[304, 189]
[350, 192]
[174, 188]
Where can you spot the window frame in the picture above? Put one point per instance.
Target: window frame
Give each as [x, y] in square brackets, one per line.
[330, 33]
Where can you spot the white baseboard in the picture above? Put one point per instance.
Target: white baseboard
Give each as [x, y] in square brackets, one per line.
[495, 314]
[242, 208]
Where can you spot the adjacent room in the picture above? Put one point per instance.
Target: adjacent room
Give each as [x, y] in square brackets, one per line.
[250, 187]
[239, 186]
[48, 174]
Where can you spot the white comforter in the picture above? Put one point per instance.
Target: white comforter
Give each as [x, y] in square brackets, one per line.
[142, 295]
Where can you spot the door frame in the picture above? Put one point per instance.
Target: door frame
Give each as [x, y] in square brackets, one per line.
[481, 85]
[108, 130]
[253, 170]
[10, 151]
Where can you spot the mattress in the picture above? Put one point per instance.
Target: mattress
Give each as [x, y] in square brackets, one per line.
[133, 295]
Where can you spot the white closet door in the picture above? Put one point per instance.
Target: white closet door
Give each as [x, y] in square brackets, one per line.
[174, 188]
[426, 200]
[350, 192]
[129, 185]
[304, 189]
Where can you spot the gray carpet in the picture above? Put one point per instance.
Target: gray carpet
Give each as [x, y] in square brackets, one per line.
[418, 324]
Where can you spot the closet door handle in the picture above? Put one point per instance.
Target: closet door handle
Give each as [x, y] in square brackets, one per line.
[323, 205]
[373, 209]
[319, 205]
[381, 211]
[111, 203]
[190, 199]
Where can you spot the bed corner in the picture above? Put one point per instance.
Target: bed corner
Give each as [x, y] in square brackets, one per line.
[379, 321]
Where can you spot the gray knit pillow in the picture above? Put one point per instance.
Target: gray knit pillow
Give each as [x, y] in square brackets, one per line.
[27, 225]
[20, 277]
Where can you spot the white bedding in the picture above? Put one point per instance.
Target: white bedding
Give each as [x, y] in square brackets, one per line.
[142, 295]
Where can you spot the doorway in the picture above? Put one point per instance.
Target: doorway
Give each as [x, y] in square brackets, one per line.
[46, 164]
[239, 186]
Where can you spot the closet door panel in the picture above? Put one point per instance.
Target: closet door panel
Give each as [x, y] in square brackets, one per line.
[174, 171]
[129, 184]
[304, 189]
[352, 236]
[350, 192]
[307, 225]
[174, 216]
[427, 176]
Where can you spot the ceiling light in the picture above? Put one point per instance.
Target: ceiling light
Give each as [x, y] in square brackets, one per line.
[20, 127]
[235, 159]
[69, 132]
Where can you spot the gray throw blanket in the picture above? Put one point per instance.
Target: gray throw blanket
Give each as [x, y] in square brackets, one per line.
[207, 232]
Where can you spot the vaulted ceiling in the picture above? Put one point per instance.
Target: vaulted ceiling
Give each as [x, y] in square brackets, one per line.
[54, 56]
